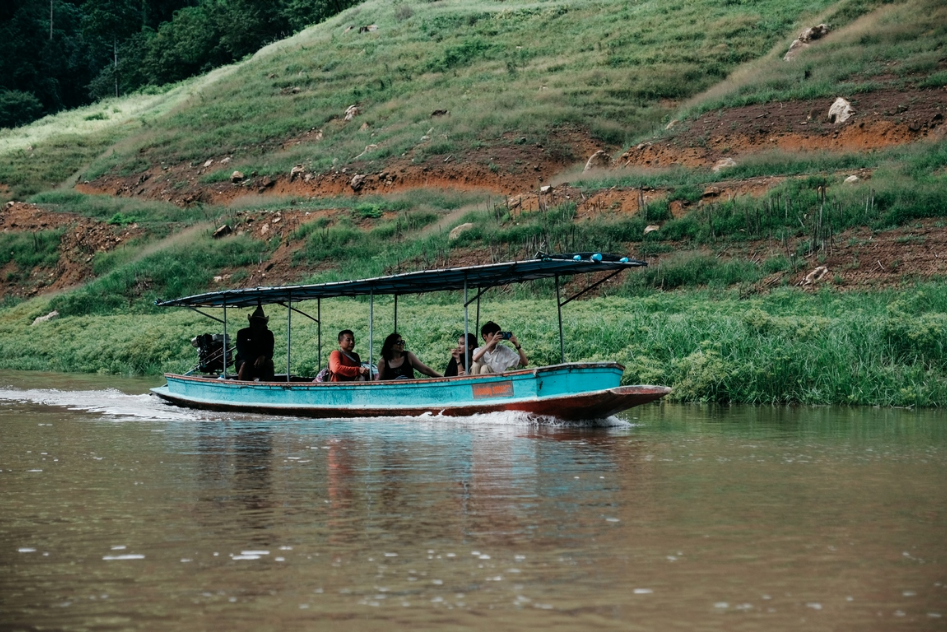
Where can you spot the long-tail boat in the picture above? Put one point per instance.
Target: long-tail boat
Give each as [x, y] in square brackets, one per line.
[566, 391]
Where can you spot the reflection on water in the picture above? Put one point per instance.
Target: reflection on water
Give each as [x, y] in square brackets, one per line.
[119, 512]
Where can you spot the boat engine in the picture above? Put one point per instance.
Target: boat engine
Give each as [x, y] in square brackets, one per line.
[210, 352]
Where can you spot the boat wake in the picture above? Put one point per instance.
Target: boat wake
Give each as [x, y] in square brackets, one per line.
[112, 403]
[118, 406]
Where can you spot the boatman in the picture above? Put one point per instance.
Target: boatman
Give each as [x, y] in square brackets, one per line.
[493, 357]
[255, 349]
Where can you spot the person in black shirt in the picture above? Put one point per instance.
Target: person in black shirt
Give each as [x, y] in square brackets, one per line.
[255, 349]
[460, 357]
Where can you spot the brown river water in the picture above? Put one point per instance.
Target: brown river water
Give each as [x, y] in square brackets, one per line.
[118, 512]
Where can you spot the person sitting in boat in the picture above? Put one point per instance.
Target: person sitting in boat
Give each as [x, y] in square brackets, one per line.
[254, 359]
[344, 364]
[460, 361]
[493, 357]
[397, 363]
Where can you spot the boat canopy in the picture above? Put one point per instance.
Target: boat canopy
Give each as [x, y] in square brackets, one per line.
[482, 276]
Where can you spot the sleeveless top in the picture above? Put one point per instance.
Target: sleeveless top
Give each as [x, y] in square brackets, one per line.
[405, 371]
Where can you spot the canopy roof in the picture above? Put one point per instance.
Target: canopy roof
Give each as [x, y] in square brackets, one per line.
[544, 267]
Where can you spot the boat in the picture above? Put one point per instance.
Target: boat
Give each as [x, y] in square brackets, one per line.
[567, 391]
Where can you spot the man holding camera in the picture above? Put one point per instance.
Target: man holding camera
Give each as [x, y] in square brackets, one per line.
[493, 357]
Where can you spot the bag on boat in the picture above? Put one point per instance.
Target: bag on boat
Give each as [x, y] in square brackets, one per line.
[325, 375]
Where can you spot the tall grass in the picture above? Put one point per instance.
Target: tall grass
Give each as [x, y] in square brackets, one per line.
[518, 65]
[887, 348]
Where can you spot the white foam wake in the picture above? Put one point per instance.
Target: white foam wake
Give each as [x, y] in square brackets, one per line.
[110, 402]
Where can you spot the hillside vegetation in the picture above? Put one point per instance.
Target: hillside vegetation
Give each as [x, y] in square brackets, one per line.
[458, 112]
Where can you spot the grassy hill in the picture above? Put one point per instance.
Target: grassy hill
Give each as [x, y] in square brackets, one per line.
[462, 111]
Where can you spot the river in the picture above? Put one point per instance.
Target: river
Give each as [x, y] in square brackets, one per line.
[118, 512]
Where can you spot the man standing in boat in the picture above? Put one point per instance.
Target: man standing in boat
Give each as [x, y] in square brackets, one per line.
[255, 349]
[493, 357]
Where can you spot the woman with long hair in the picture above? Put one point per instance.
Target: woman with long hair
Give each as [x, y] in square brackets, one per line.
[397, 363]
[460, 359]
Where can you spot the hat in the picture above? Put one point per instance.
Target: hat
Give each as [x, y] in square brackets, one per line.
[258, 315]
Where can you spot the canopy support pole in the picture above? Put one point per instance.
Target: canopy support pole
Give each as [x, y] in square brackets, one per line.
[396, 313]
[205, 314]
[562, 349]
[225, 339]
[466, 326]
[593, 286]
[477, 326]
[289, 331]
[319, 322]
[371, 323]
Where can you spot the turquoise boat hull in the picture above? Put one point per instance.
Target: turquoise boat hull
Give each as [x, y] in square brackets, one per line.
[572, 391]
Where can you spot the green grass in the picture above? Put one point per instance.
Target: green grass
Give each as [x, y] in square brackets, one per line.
[518, 65]
[31, 249]
[899, 46]
[886, 348]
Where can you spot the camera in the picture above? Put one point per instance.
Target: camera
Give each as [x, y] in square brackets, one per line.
[506, 335]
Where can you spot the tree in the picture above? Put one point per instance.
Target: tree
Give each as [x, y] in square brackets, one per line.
[108, 22]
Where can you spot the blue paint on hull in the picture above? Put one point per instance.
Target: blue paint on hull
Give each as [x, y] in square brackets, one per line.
[564, 390]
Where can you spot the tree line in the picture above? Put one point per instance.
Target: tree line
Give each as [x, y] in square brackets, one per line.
[61, 54]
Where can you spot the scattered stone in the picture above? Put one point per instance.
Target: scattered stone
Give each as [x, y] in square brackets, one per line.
[267, 182]
[851, 179]
[440, 112]
[805, 38]
[225, 160]
[236, 177]
[840, 111]
[546, 189]
[815, 276]
[598, 160]
[370, 28]
[223, 231]
[10, 204]
[457, 230]
[364, 127]
[357, 181]
[351, 112]
[48, 317]
[209, 162]
[368, 148]
[724, 163]
[265, 229]
[650, 228]
[295, 172]
[308, 177]
[710, 192]
[671, 124]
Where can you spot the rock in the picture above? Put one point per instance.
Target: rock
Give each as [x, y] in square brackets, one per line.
[440, 112]
[225, 160]
[365, 126]
[209, 162]
[457, 230]
[672, 124]
[814, 32]
[546, 189]
[371, 28]
[724, 163]
[598, 160]
[840, 111]
[267, 182]
[265, 229]
[651, 228]
[851, 179]
[48, 317]
[295, 172]
[223, 231]
[815, 276]
[357, 181]
[351, 112]
[710, 192]
[236, 177]
[10, 204]
[308, 177]
[425, 138]
[794, 49]
[368, 148]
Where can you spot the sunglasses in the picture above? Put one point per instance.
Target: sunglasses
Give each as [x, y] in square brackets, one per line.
[399, 342]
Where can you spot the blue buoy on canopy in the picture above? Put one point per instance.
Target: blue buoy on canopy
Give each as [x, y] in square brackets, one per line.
[596, 257]
[623, 260]
[577, 258]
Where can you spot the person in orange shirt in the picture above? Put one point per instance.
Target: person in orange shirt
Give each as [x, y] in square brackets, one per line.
[344, 363]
